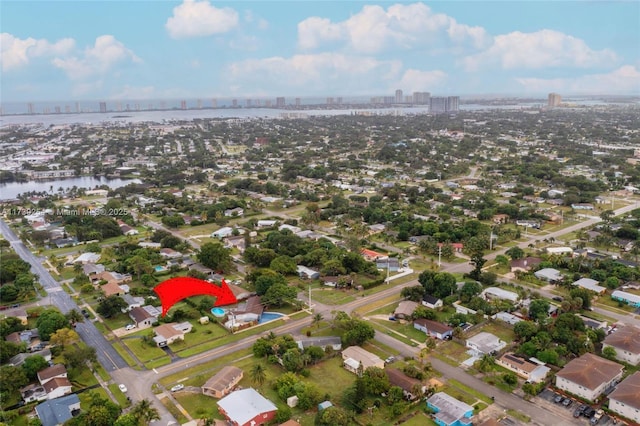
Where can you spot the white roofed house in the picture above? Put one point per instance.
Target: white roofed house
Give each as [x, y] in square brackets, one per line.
[485, 343]
[246, 407]
[307, 273]
[548, 274]
[590, 284]
[490, 293]
[355, 356]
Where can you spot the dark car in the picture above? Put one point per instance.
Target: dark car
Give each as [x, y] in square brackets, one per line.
[558, 399]
[567, 402]
[557, 298]
[589, 412]
[577, 412]
[85, 313]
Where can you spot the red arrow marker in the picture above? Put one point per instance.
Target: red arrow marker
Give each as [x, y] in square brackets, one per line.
[174, 290]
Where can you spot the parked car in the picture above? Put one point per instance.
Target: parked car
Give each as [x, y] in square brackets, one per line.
[596, 417]
[177, 388]
[122, 387]
[130, 327]
[557, 298]
[567, 402]
[558, 399]
[85, 313]
[589, 412]
[390, 360]
[578, 411]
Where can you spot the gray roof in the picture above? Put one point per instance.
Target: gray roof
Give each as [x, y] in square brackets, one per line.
[18, 359]
[320, 341]
[550, 274]
[56, 411]
[243, 405]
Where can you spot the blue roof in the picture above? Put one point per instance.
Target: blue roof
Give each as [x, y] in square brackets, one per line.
[56, 411]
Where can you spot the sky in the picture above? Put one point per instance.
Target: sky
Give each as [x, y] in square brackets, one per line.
[139, 49]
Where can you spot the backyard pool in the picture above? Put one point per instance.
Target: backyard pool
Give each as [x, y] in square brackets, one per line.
[160, 268]
[218, 312]
[269, 316]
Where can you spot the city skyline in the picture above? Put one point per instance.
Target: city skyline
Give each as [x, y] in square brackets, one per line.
[257, 50]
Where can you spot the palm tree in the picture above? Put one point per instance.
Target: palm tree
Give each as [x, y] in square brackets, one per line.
[317, 318]
[74, 316]
[258, 374]
[144, 412]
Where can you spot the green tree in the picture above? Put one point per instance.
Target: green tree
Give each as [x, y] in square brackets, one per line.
[609, 352]
[64, 337]
[111, 306]
[510, 379]
[215, 256]
[358, 333]
[127, 420]
[414, 293]
[278, 294]
[145, 412]
[32, 365]
[12, 378]
[50, 321]
[258, 374]
[77, 356]
[515, 253]
[538, 309]
[284, 265]
[375, 380]
[292, 360]
[317, 319]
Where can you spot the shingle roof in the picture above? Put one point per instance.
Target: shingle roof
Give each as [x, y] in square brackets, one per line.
[625, 338]
[590, 371]
[56, 411]
[221, 380]
[398, 378]
[628, 391]
[434, 326]
[53, 371]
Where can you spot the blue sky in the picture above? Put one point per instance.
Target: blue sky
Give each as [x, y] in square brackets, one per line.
[111, 50]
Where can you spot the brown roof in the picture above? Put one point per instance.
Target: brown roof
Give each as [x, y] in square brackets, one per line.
[139, 314]
[111, 288]
[406, 308]
[223, 378]
[290, 423]
[56, 383]
[53, 371]
[590, 371]
[626, 338]
[519, 363]
[628, 391]
[167, 330]
[435, 326]
[398, 378]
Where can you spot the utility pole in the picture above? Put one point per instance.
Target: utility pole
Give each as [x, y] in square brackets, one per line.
[439, 255]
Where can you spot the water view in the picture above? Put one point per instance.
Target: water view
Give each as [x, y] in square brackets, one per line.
[14, 189]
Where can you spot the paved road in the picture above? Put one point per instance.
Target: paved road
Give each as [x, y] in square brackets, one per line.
[107, 355]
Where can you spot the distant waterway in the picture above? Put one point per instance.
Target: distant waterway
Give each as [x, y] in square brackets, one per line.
[13, 189]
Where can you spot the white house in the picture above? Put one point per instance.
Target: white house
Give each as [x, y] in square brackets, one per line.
[490, 293]
[166, 334]
[590, 284]
[57, 387]
[485, 343]
[222, 232]
[529, 371]
[354, 356]
[589, 376]
[626, 342]
[625, 400]
[266, 223]
[548, 274]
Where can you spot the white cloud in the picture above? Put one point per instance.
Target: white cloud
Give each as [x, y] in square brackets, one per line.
[541, 49]
[319, 73]
[624, 80]
[416, 80]
[200, 18]
[401, 26]
[260, 23]
[98, 59]
[16, 52]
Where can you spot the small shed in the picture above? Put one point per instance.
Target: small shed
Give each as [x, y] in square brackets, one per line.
[324, 405]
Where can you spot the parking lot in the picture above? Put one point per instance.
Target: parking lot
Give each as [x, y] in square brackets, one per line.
[567, 406]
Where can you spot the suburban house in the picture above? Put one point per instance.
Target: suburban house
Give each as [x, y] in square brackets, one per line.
[293, 229]
[405, 309]
[31, 338]
[87, 258]
[408, 384]
[144, 316]
[449, 411]
[334, 341]
[247, 407]
[491, 293]
[50, 373]
[132, 302]
[525, 265]
[529, 371]
[548, 274]
[391, 263]
[33, 392]
[18, 359]
[507, 317]
[169, 253]
[223, 382]
[307, 273]
[431, 302]
[57, 411]
[628, 298]
[166, 334]
[237, 212]
[435, 329]
[354, 356]
[624, 400]
[112, 289]
[371, 255]
[57, 387]
[266, 223]
[485, 343]
[589, 376]
[590, 284]
[626, 342]
[223, 232]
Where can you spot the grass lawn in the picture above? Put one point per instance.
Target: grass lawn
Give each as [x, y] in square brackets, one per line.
[503, 332]
[198, 375]
[120, 396]
[124, 354]
[174, 410]
[198, 405]
[452, 353]
[395, 335]
[407, 329]
[85, 397]
[82, 378]
[143, 351]
[332, 297]
[465, 393]
[419, 419]
[380, 349]
[379, 304]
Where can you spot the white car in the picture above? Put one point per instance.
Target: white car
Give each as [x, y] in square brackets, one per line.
[130, 327]
[122, 387]
[177, 388]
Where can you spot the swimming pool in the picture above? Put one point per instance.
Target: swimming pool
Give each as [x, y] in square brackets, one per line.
[218, 312]
[269, 316]
[160, 268]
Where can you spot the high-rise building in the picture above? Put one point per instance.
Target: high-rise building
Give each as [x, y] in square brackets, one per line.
[453, 103]
[199, 103]
[421, 98]
[78, 107]
[339, 100]
[30, 108]
[234, 103]
[247, 103]
[183, 104]
[58, 109]
[103, 107]
[554, 100]
[267, 103]
[257, 102]
[329, 101]
[280, 102]
[214, 103]
[298, 102]
[438, 104]
[399, 98]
